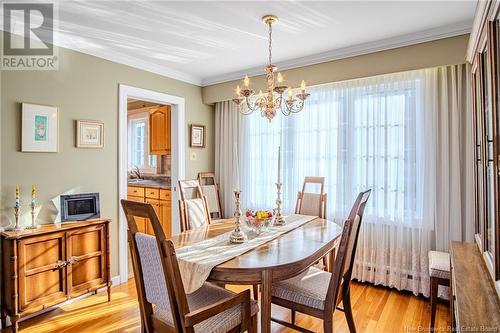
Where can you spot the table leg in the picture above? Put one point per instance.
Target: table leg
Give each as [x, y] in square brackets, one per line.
[265, 301]
[331, 260]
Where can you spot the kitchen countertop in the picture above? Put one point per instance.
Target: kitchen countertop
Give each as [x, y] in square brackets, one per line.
[149, 183]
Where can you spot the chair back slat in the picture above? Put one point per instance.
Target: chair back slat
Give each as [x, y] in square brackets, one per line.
[193, 206]
[344, 261]
[312, 203]
[210, 189]
[154, 274]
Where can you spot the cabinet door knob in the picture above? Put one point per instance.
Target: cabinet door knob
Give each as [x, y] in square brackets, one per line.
[60, 264]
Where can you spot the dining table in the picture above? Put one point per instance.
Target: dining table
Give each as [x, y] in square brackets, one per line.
[281, 258]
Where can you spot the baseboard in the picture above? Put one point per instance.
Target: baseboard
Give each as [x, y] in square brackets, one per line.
[115, 281]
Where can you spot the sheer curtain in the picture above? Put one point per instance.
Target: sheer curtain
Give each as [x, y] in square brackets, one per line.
[403, 135]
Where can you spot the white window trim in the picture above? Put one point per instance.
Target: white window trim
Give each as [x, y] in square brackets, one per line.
[147, 169]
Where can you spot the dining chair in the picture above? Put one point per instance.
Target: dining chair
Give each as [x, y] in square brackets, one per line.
[314, 204]
[309, 203]
[439, 272]
[194, 212]
[193, 205]
[164, 305]
[318, 293]
[210, 189]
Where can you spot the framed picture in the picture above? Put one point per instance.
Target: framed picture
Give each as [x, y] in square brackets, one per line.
[89, 134]
[197, 138]
[39, 128]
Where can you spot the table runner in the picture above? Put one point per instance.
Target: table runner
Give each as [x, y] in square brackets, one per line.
[197, 260]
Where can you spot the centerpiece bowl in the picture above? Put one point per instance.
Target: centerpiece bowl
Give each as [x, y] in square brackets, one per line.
[258, 221]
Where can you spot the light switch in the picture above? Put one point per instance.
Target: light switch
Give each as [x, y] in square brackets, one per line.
[192, 156]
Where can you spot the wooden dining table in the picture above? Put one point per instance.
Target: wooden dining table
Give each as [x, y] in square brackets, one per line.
[281, 258]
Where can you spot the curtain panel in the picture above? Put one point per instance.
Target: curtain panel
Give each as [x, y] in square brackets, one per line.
[227, 143]
[407, 136]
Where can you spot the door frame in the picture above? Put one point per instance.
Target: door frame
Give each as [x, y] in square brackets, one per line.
[178, 166]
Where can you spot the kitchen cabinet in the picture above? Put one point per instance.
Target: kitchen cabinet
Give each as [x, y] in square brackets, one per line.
[161, 201]
[159, 130]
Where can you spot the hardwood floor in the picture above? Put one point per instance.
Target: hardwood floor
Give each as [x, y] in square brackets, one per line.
[375, 309]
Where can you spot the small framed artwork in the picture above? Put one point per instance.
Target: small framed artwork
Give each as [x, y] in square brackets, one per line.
[39, 128]
[197, 138]
[89, 134]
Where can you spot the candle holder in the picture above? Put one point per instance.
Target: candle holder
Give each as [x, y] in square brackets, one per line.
[33, 224]
[237, 236]
[16, 227]
[278, 219]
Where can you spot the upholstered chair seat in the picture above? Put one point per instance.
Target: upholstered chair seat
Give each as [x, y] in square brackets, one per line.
[207, 295]
[309, 288]
[439, 264]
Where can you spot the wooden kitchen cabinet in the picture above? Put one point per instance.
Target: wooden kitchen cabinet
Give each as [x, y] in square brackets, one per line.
[156, 206]
[159, 130]
[166, 217]
[161, 201]
[47, 266]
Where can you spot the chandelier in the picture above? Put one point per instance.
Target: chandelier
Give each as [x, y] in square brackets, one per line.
[268, 104]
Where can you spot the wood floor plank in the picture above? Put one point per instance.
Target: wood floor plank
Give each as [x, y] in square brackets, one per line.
[375, 309]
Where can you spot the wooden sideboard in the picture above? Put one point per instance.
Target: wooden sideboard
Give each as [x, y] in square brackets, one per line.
[47, 266]
[475, 305]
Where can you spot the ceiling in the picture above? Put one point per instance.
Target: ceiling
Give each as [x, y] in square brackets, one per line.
[206, 42]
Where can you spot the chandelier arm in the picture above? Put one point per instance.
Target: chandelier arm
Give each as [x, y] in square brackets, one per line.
[296, 107]
[283, 105]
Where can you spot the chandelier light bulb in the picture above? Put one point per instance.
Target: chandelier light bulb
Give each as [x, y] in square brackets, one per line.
[280, 78]
[238, 90]
[289, 92]
[261, 94]
[246, 81]
[303, 86]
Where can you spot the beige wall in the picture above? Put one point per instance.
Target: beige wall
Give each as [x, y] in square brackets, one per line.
[84, 87]
[430, 54]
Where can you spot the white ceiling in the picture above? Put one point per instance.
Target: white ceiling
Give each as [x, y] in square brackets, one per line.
[205, 42]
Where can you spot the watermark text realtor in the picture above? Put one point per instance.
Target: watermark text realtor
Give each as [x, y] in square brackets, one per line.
[28, 42]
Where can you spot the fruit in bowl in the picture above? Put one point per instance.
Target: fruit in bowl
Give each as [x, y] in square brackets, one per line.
[259, 220]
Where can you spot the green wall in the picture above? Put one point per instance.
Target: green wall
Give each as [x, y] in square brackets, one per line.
[84, 87]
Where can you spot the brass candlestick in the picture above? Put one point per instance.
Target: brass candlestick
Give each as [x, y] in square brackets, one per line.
[237, 236]
[278, 219]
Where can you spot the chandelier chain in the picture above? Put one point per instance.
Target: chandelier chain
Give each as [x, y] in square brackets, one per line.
[270, 42]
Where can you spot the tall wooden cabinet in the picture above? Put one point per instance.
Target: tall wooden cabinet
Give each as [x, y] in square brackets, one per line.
[47, 266]
[484, 55]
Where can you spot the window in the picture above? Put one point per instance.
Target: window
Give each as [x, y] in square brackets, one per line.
[358, 134]
[139, 144]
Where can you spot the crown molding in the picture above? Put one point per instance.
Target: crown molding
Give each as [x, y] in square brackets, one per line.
[458, 29]
[138, 64]
[483, 10]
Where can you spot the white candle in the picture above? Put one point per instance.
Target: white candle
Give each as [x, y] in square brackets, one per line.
[279, 163]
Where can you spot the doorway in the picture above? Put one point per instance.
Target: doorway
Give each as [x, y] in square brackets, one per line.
[178, 148]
